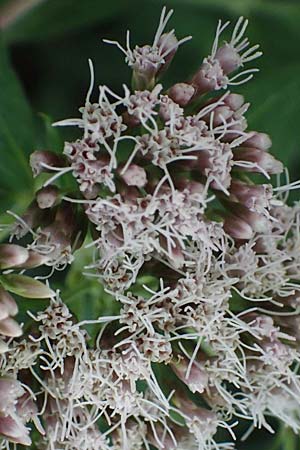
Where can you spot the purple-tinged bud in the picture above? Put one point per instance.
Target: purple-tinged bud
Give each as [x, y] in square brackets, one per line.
[8, 306]
[237, 228]
[148, 62]
[228, 58]
[258, 222]
[12, 255]
[10, 389]
[32, 218]
[262, 161]
[262, 141]
[197, 379]
[174, 251]
[209, 77]
[14, 430]
[193, 187]
[3, 347]
[168, 45]
[130, 120]
[220, 114]
[40, 159]
[253, 197]
[34, 260]
[203, 416]
[182, 93]
[27, 410]
[167, 441]
[134, 176]
[47, 197]
[10, 328]
[234, 101]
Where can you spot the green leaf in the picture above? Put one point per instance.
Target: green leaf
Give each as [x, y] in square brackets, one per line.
[25, 286]
[283, 9]
[57, 17]
[276, 109]
[51, 136]
[16, 137]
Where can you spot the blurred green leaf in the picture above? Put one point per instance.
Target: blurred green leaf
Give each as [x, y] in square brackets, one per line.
[16, 140]
[51, 137]
[276, 110]
[16, 128]
[284, 9]
[55, 17]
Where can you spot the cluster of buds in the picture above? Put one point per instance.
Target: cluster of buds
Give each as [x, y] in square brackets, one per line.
[201, 260]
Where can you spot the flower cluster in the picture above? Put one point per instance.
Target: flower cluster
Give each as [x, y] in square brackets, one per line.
[198, 250]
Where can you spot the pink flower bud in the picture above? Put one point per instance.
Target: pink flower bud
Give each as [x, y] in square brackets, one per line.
[262, 141]
[181, 93]
[14, 430]
[3, 347]
[40, 159]
[254, 197]
[174, 250]
[12, 255]
[168, 45]
[27, 410]
[263, 160]
[32, 218]
[258, 222]
[47, 196]
[34, 260]
[134, 176]
[228, 58]
[220, 113]
[209, 77]
[193, 187]
[9, 327]
[8, 306]
[234, 101]
[197, 378]
[237, 228]
[10, 389]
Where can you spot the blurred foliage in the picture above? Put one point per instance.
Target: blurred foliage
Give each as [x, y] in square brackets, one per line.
[48, 47]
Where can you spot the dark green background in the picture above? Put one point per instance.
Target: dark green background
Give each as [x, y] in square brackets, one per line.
[44, 77]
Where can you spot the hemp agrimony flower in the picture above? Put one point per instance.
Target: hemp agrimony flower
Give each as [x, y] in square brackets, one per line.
[195, 245]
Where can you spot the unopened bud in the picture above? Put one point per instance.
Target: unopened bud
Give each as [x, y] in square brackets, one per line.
[258, 222]
[254, 197]
[228, 58]
[12, 255]
[220, 114]
[47, 196]
[237, 228]
[196, 378]
[32, 218]
[9, 327]
[209, 77]
[134, 176]
[8, 306]
[14, 430]
[262, 161]
[234, 101]
[181, 93]
[40, 161]
[193, 187]
[34, 260]
[262, 141]
[3, 347]
[168, 45]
